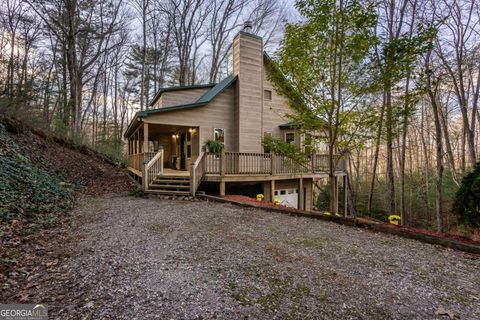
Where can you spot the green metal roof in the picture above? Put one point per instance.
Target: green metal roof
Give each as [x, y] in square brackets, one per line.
[216, 90]
[289, 125]
[177, 88]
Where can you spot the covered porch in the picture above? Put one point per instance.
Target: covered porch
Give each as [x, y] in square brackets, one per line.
[180, 146]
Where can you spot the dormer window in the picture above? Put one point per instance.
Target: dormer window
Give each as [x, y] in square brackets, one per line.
[267, 95]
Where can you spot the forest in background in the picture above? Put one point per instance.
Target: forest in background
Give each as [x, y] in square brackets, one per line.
[81, 68]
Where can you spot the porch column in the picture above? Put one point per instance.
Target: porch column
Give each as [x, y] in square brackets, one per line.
[145, 137]
[301, 203]
[137, 144]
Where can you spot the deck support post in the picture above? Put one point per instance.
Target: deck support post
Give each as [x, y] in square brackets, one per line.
[335, 181]
[222, 188]
[301, 200]
[272, 190]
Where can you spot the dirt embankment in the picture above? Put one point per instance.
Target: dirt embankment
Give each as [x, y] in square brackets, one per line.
[41, 179]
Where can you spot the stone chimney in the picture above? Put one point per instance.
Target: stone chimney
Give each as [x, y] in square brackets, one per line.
[248, 66]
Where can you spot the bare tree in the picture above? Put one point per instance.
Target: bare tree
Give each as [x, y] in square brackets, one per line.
[459, 41]
[187, 18]
[225, 15]
[86, 29]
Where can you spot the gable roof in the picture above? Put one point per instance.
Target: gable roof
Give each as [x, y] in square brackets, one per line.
[205, 99]
[178, 88]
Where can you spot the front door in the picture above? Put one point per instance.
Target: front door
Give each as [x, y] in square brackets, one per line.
[182, 151]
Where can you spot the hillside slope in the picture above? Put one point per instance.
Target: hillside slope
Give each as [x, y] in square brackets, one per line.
[83, 167]
[41, 176]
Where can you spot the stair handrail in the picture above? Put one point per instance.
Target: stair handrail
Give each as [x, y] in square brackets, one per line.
[152, 169]
[197, 170]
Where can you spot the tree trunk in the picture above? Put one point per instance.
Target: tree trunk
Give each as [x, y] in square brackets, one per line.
[403, 151]
[439, 149]
[390, 172]
[375, 158]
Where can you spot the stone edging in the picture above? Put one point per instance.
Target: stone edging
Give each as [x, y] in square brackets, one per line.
[379, 227]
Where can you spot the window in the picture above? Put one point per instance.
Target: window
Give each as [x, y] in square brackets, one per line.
[219, 135]
[267, 95]
[290, 137]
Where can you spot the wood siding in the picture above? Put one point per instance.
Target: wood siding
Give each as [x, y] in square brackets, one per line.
[217, 114]
[177, 97]
[274, 111]
[248, 65]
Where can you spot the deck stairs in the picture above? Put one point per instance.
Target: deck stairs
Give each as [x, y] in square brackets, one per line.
[177, 185]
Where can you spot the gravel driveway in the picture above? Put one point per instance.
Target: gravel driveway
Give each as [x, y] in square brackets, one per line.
[137, 258]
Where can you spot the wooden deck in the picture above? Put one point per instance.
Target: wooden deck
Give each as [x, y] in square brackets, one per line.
[234, 167]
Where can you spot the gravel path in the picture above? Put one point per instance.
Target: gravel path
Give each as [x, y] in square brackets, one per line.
[136, 258]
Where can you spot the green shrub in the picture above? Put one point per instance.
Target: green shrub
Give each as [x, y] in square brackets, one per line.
[137, 192]
[467, 199]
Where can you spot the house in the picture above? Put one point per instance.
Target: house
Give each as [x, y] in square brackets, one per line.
[166, 142]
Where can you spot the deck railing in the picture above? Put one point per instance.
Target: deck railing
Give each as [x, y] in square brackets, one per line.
[197, 170]
[149, 165]
[136, 160]
[212, 163]
[152, 168]
[242, 163]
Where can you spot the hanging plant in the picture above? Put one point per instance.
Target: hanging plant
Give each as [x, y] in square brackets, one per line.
[214, 146]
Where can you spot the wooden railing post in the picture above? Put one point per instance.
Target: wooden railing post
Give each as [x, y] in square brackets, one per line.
[222, 162]
[197, 170]
[144, 175]
[192, 178]
[161, 160]
[222, 173]
[272, 163]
